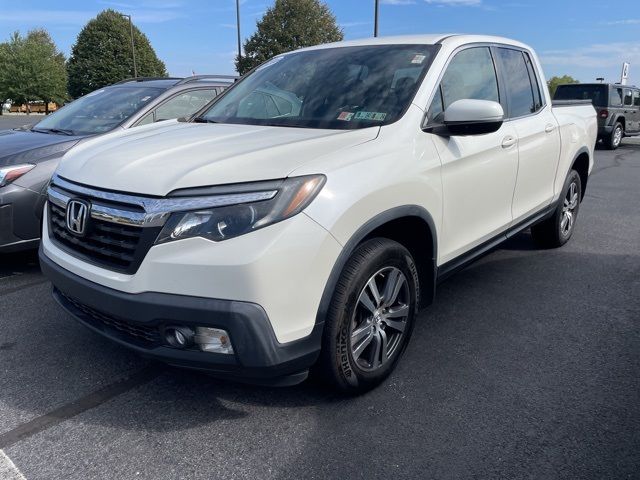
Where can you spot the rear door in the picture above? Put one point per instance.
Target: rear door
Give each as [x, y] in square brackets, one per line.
[633, 109]
[616, 108]
[537, 131]
[478, 171]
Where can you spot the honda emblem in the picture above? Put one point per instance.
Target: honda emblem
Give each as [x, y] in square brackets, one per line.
[77, 211]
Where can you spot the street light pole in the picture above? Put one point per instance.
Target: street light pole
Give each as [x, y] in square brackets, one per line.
[133, 47]
[375, 20]
[238, 25]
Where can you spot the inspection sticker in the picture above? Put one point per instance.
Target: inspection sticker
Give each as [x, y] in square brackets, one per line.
[418, 58]
[378, 116]
[346, 116]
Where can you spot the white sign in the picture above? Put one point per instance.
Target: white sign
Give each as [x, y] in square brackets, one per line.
[625, 73]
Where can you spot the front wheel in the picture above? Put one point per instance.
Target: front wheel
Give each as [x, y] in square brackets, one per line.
[557, 230]
[371, 316]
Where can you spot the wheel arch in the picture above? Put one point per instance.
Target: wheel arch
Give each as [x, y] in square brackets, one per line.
[622, 120]
[580, 164]
[410, 225]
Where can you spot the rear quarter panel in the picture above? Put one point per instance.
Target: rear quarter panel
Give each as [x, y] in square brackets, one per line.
[578, 133]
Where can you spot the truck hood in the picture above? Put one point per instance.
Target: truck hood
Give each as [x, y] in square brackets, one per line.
[160, 158]
[25, 146]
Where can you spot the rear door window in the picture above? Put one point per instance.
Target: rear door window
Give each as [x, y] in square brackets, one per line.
[596, 93]
[538, 98]
[616, 97]
[636, 98]
[185, 104]
[518, 82]
[628, 97]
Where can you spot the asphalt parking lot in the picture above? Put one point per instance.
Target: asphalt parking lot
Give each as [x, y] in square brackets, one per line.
[526, 366]
[15, 121]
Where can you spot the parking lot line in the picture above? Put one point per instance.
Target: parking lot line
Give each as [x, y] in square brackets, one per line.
[78, 406]
[8, 471]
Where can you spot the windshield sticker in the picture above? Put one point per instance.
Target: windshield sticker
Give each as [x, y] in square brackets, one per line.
[418, 58]
[346, 116]
[273, 61]
[377, 116]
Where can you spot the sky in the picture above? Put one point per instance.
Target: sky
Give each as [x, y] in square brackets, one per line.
[585, 39]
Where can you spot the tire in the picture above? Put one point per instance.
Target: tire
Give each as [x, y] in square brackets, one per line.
[557, 230]
[613, 141]
[357, 325]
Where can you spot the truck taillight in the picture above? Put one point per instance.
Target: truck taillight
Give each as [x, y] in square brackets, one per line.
[603, 113]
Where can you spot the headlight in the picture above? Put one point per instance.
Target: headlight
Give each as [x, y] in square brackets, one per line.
[9, 174]
[246, 215]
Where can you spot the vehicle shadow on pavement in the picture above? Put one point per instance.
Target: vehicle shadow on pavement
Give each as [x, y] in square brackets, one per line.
[521, 241]
[19, 263]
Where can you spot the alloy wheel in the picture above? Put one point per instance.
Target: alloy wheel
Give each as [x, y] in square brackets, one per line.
[569, 209]
[380, 319]
[617, 136]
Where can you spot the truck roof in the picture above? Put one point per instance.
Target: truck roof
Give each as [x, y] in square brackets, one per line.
[450, 39]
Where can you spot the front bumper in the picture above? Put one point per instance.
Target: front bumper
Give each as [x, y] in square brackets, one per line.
[19, 223]
[136, 320]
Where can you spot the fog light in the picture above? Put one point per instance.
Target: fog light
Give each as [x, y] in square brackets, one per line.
[179, 337]
[213, 340]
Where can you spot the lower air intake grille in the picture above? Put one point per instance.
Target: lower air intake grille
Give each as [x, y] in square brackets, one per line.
[141, 334]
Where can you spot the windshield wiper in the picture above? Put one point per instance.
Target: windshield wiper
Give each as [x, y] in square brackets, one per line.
[203, 120]
[62, 131]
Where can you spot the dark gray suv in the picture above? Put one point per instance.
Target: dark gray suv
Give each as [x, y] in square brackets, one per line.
[618, 108]
[28, 156]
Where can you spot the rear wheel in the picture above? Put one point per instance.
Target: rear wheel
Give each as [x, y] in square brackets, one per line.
[613, 141]
[371, 316]
[557, 230]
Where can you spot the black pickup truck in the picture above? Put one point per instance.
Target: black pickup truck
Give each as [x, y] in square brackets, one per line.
[618, 108]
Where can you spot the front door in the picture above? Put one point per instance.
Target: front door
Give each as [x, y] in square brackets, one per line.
[478, 172]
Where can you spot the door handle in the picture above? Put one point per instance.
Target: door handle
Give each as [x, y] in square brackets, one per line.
[549, 128]
[508, 141]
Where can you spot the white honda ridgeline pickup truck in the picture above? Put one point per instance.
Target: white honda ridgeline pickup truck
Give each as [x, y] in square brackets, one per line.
[301, 220]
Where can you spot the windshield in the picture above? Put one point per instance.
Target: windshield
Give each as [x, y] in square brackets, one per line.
[336, 88]
[99, 111]
[596, 93]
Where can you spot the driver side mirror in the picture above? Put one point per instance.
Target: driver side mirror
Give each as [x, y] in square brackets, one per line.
[471, 117]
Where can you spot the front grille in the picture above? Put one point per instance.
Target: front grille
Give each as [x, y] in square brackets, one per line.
[107, 244]
[136, 333]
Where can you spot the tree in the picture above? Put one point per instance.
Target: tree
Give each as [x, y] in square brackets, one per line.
[32, 68]
[553, 82]
[102, 54]
[288, 25]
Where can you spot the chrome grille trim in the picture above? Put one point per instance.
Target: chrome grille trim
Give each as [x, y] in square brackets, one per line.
[156, 210]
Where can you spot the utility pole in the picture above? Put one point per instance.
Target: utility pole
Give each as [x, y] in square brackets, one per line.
[133, 47]
[238, 22]
[375, 19]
